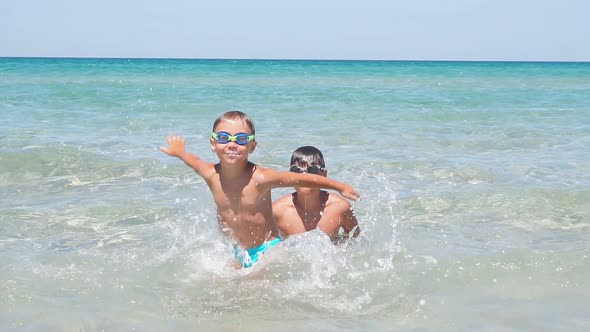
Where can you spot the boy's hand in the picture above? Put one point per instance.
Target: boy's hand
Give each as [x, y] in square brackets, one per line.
[350, 193]
[175, 146]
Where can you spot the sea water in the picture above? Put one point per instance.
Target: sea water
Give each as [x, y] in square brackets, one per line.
[474, 176]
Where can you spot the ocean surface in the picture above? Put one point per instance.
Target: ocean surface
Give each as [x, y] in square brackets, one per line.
[474, 176]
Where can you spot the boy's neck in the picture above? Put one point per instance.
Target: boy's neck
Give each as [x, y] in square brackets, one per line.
[234, 171]
[309, 199]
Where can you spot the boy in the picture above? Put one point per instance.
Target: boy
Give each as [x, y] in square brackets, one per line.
[308, 208]
[241, 189]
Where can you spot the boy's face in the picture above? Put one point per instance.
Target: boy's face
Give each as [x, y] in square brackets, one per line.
[232, 152]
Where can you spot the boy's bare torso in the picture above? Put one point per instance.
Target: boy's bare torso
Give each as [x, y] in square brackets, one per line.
[244, 205]
[327, 216]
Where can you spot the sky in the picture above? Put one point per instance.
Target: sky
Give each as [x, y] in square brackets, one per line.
[511, 30]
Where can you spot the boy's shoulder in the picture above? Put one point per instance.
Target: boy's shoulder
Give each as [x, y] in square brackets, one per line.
[260, 169]
[337, 201]
[263, 174]
[209, 170]
[282, 206]
[284, 201]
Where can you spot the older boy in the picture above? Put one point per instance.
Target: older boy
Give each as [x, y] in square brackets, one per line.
[241, 189]
[308, 208]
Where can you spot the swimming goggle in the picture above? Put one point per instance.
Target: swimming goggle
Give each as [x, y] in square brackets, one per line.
[313, 169]
[225, 137]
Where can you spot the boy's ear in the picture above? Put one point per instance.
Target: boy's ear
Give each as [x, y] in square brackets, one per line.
[212, 143]
[253, 146]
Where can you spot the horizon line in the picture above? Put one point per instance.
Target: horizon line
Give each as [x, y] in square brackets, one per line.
[286, 59]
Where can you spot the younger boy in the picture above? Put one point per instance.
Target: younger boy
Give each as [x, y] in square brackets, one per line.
[308, 208]
[241, 189]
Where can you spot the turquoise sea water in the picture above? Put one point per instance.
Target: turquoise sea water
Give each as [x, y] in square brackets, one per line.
[475, 179]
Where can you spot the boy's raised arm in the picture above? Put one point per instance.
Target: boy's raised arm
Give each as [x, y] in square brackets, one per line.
[290, 179]
[176, 148]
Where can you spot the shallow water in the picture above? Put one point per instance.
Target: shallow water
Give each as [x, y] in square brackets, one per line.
[475, 183]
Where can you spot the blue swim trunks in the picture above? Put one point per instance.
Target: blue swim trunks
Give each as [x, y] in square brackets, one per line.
[247, 257]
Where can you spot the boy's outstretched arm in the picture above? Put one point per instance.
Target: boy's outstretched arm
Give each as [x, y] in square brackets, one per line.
[176, 148]
[290, 179]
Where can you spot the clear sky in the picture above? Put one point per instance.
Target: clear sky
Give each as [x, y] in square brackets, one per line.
[541, 30]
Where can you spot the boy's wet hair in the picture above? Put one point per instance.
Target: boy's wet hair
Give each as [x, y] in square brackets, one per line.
[236, 116]
[309, 155]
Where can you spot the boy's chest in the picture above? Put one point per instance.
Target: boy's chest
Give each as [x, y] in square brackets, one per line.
[325, 219]
[234, 197]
